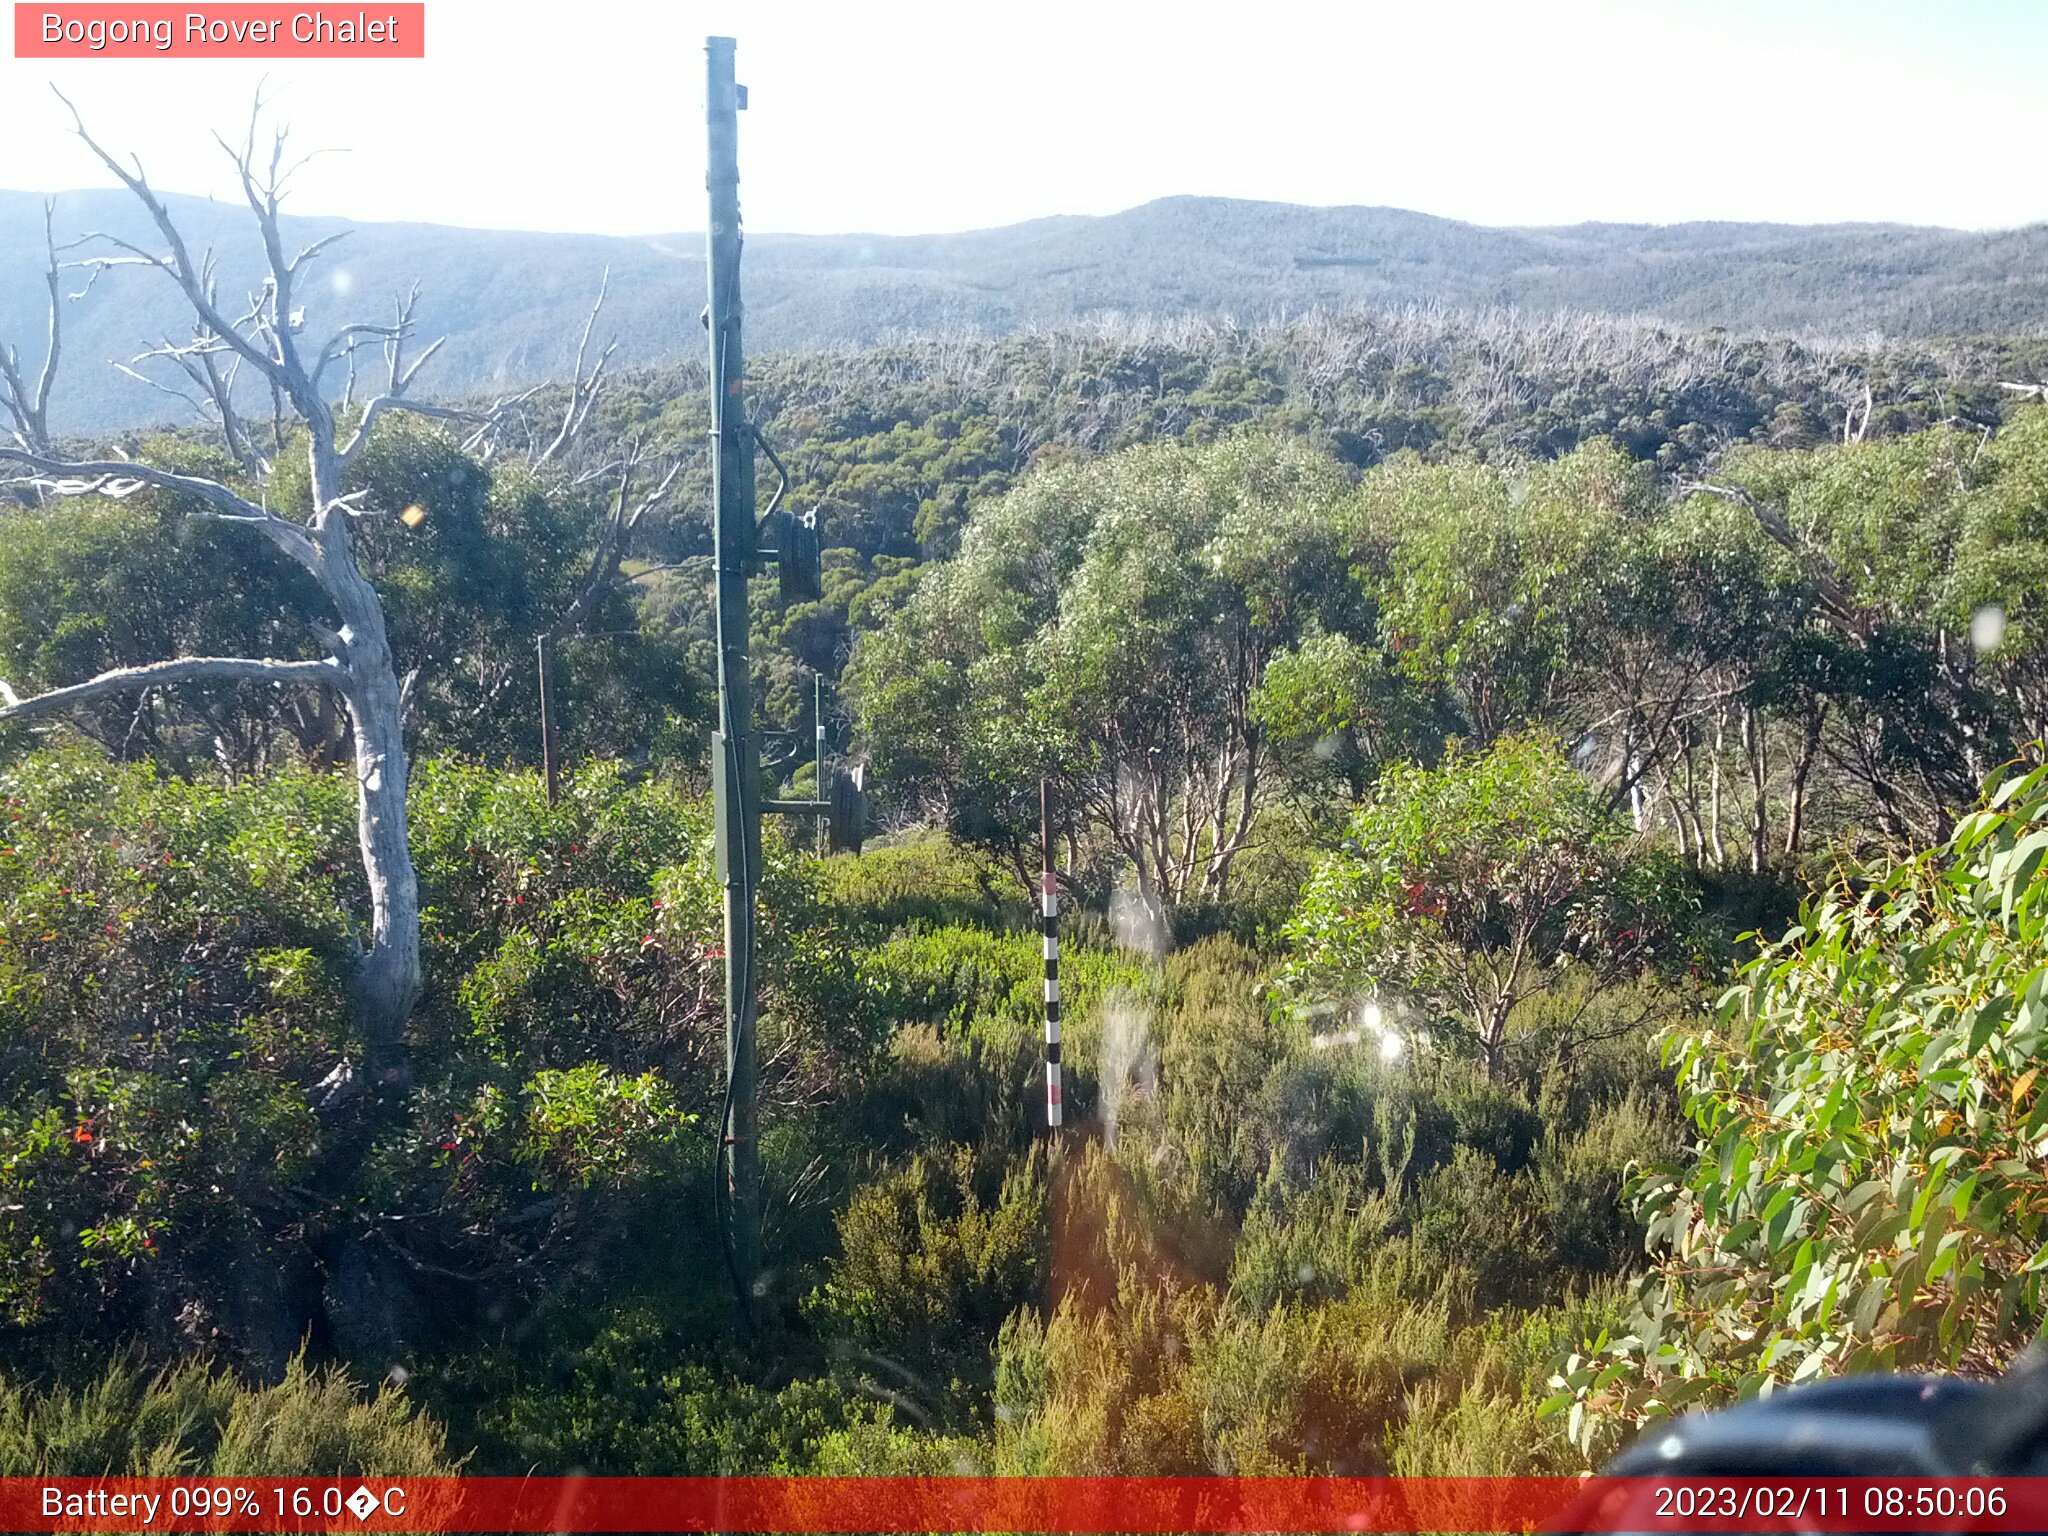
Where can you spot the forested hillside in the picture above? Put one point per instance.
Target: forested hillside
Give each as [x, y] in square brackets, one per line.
[500, 297]
[1551, 861]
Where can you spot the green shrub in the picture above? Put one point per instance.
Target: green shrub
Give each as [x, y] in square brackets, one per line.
[989, 989]
[1582, 1186]
[1465, 890]
[929, 1267]
[925, 881]
[194, 1421]
[1867, 1109]
[1471, 1216]
[1313, 1241]
[173, 959]
[1218, 1043]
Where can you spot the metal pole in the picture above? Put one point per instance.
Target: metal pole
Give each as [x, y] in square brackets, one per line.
[821, 834]
[736, 759]
[544, 651]
[1049, 916]
[818, 714]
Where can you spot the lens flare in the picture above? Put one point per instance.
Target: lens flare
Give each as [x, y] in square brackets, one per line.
[1987, 628]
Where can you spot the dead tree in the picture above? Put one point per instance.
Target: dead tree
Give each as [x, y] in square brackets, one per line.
[630, 500]
[584, 387]
[629, 507]
[28, 404]
[262, 338]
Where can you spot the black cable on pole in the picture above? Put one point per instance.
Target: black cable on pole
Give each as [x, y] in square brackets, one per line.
[721, 1165]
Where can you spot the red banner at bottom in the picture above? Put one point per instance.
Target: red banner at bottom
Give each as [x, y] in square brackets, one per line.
[1049, 1504]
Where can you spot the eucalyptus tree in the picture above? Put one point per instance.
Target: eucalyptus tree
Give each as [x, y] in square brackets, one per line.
[263, 338]
[1465, 890]
[1487, 580]
[1927, 560]
[1109, 624]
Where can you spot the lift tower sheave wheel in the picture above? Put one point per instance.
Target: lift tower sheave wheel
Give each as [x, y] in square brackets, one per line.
[846, 820]
[800, 559]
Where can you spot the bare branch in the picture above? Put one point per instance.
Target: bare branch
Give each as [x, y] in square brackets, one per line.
[625, 517]
[159, 674]
[197, 404]
[317, 246]
[29, 406]
[399, 376]
[379, 404]
[178, 265]
[1841, 610]
[118, 478]
[583, 388]
[349, 340]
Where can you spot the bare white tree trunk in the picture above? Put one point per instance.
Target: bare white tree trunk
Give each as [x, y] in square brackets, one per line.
[359, 665]
[26, 402]
[388, 981]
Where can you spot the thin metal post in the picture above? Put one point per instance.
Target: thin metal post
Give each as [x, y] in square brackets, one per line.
[818, 714]
[821, 837]
[736, 758]
[1049, 917]
[544, 651]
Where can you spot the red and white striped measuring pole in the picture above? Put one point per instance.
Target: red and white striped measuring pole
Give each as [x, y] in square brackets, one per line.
[1049, 919]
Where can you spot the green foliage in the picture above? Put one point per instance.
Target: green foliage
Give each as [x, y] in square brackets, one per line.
[1108, 623]
[1355, 1369]
[172, 959]
[1492, 576]
[193, 1421]
[1466, 889]
[1339, 712]
[1503, 731]
[172, 1017]
[623, 1390]
[929, 1267]
[990, 986]
[496, 560]
[568, 1038]
[88, 587]
[926, 881]
[592, 1126]
[1867, 1114]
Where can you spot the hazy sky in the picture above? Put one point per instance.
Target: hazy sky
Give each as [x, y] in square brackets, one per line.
[902, 117]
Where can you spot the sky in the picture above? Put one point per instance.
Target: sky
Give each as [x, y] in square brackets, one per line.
[897, 117]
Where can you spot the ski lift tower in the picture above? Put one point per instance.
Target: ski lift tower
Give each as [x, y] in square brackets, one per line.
[744, 546]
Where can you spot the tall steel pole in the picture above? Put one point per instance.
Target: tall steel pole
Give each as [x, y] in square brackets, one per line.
[736, 754]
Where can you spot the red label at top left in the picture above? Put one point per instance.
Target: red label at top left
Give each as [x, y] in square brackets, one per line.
[231, 31]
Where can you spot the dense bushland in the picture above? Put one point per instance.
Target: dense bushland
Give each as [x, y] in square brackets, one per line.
[521, 1232]
[1407, 798]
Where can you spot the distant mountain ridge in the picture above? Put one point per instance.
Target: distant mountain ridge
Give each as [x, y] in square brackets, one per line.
[509, 303]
